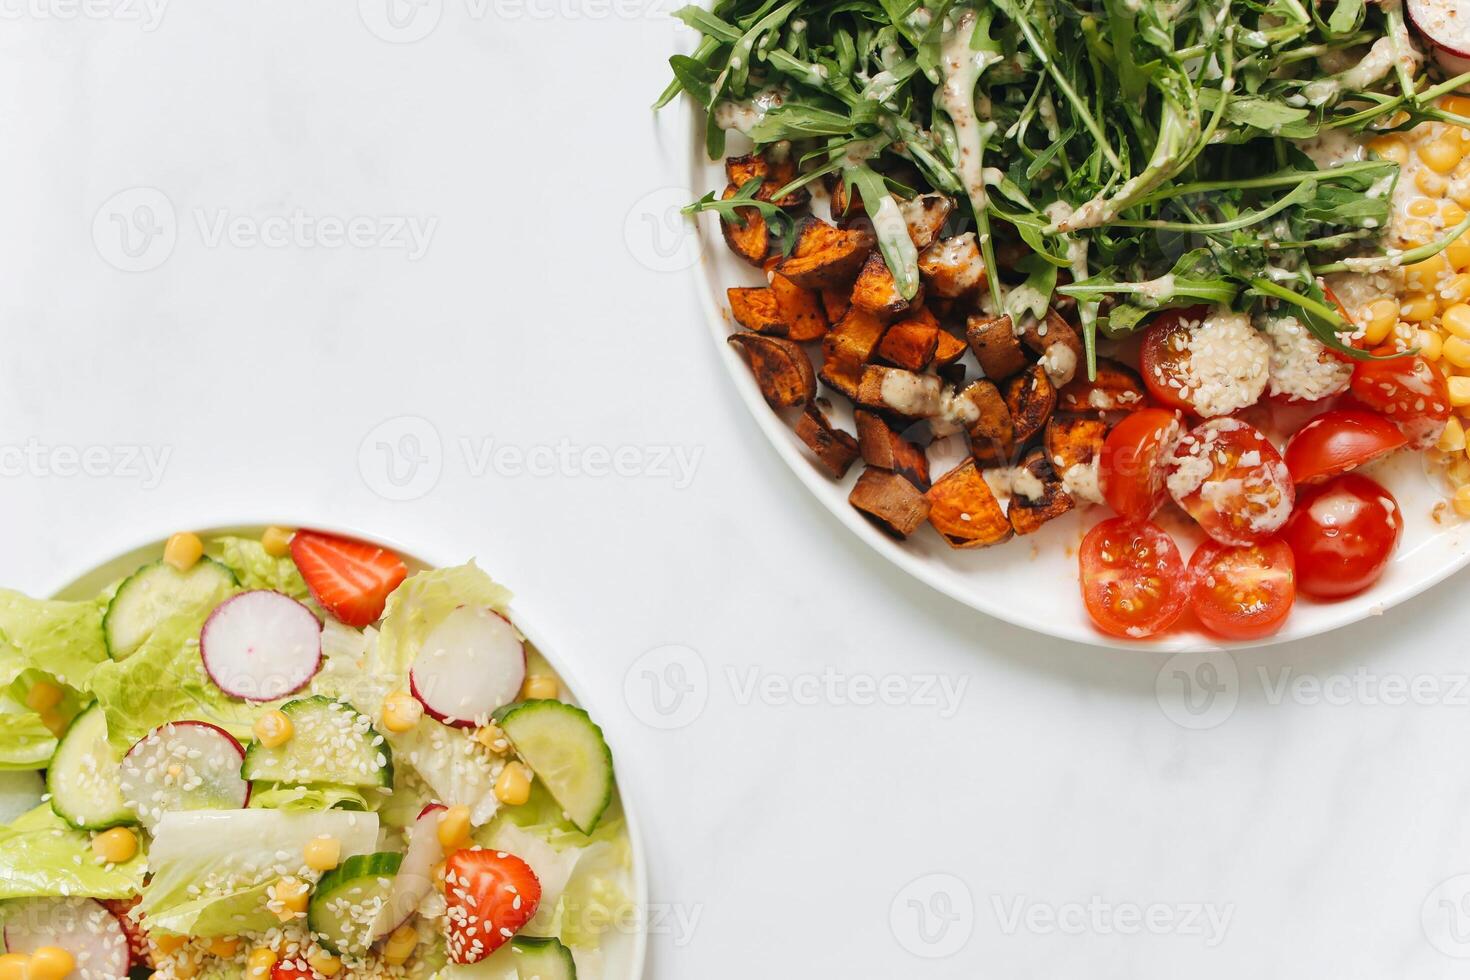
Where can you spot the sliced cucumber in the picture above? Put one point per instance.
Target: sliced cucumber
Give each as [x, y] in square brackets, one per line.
[85, 776]
[542, 959]
[156, 592]
[347, 899]
[331, 742]
[566, 751]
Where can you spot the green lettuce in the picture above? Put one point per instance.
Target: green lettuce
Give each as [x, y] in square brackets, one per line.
[41, 855]
[255, 569]
[305, 799]
[26, 741]
[64, 639]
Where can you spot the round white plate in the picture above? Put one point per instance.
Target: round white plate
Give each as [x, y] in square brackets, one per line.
[624, 950]
[1032, 581]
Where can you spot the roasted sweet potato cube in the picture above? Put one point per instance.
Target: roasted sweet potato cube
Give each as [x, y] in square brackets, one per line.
[824, 256]
[925, 215]
[835, 303]
[750, 242]
[1073, 440]
[964, 511]
[993, 339]
[1058, 344]
[774, 175]
[892, 503]
[884, 447]
[910, 343]
[876, 291]
[948, 349]
[800, 309]
[847, 349]
[781, 368]
[755, 308]
[1027, 513]
[953, 266]
[834, 449]
[844, 203]
[1116, 389]
[904, 394]
[992, 432]
[1031, 399]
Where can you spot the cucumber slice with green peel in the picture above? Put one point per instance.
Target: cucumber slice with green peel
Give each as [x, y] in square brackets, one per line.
[542, 959]
[566, 750]
[156, 592]
[85, 776]
[347, 901]
[331, 742]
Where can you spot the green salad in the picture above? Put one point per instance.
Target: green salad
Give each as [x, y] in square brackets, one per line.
[288, 757]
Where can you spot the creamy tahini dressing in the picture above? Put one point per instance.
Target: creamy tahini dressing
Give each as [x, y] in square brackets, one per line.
[960, 69]
[745, 115]
[914, 395]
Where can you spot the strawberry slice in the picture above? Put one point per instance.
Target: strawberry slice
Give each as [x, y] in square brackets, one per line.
[138, 946]
[351, 579]
[491, 895]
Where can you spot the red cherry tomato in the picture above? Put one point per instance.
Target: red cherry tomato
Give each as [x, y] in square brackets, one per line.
[1242, 593]
[1337, 441]
[1133, 580]
[287, 970]
[1230, 478]
[1409, 391]
[1131, 467]
[1164, 356]
[1342, 535]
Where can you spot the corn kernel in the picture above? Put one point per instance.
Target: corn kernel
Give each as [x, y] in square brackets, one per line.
[1422, 207]
[401, 712]
[1431, 183]
[1456, 289]
[454, 828]
[1459, 390]
[540, 687]
[183, 550]
[1458, 105]
[1426, 276]
[273, 729]
[400, 945]
[1391, 148]
[277, 541]
[1458, 252]
[56, 722]
[292, 893]
[323, 853]
[513, 785]
[1431, 347]
[43, 696]
[186, 968]
[1462, 501]
[262, 960]
[324, 963]
[1452, 439]
[224, 947]
[1451, 214]
[166, 944]
[1419, 308]
[1456, 320]
[1416, 232]
[115, 846]
[1457, 351]
[13, 966]
[490, 736]
[1460, 191]
[1378, 320]
[50, 963]
[1441, 155]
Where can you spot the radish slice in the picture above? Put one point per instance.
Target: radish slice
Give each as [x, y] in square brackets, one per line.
[185, 765]
[81, 926]
[261, 645]
[1445, 24]
[469, 665]
[415, 878]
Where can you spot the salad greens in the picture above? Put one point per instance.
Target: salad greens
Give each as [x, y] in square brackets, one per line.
[1144, 154]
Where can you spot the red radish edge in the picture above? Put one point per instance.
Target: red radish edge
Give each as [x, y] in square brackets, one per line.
[1453, 56]
[497, 668]
[232, 741]
[415, 878]
[269, 676]
[81, 926]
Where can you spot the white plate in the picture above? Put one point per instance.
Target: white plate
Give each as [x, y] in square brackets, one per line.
[1032, 581]
[624, 950]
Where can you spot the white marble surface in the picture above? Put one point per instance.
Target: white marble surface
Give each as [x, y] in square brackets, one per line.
[790, 835]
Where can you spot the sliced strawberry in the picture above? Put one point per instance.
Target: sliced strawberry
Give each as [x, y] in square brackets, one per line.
[491, 895]
[349, 578]
[138, 946]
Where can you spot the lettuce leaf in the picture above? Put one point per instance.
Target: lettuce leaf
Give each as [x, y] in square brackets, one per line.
[306, 799]
[25, 741]
[255, 569]
[64, 639]
[41, 855]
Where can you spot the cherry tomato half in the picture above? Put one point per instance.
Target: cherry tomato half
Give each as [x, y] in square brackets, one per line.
[1242, 593]
[1343, 534]
[1163, 360]
[1409, 391]
[1230, 479]
[1133, 580]
[1131, 467]
[1337, 441]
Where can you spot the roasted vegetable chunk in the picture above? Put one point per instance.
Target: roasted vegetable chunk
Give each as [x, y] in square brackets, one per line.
[949, 349]
[1028, 513]
[800, 309]
[1058, 344]
[834, 449]
[964, 511]
[1116, 389]
[993, 339]
[992, 432]
[773, 174]
[892, 503]
[824, 256]
[1031, 399]
[752, 241]
[1073, 440]
[835, 303]
[781, 368]
[925, 216]
[899, 392]
[953, 266]
[755, 308]
[911, 342]
[884, 447]
[876, 291]
[847, 349]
